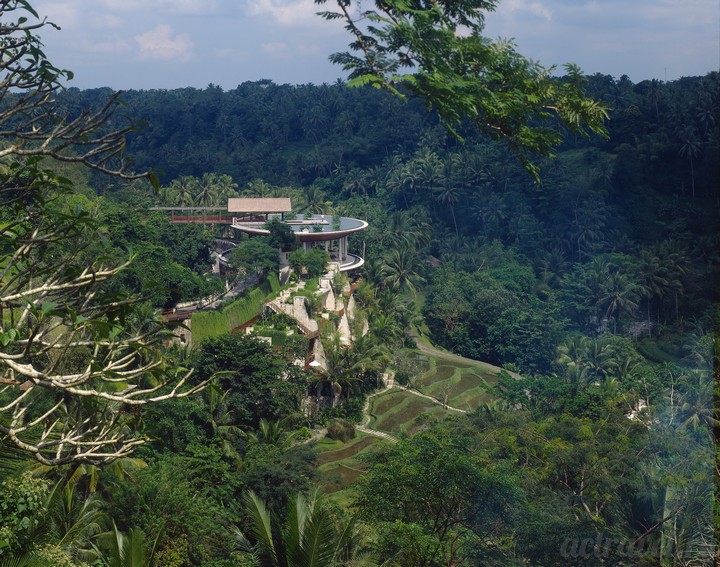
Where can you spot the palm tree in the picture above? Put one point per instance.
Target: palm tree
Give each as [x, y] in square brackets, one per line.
[225, 188]
[355, 181]
[273, 433]
[338, 371]
[552, 266]
[258, 188]
[587, 225]
[429, 169]
[72, 522]
[182, 191]
[690, 149]
[400, 268]
[620, 295]
[571, 351]
[707, 113]
[374, 274]
[370, 357]
[594, 279]
[13, 461]
[366, 294]
[492, 212]
[408, 227]
[396, 182]
[385, 329]
[127, 550]
[653, 278]
[599, 360]
[653, 95]
[697, 410]
[449, 195]
[308, 536]
[375, 179]
[314, 201]
[207, 194]
[222, 421]
[676, 263]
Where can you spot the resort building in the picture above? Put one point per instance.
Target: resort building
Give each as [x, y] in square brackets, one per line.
[326, 231]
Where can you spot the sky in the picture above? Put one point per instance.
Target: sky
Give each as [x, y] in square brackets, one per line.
[164, 44]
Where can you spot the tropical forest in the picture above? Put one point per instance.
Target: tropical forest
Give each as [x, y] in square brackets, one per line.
[517, 364]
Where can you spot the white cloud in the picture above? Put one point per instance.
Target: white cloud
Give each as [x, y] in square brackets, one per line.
[535, 8]
[160, 44]
[107, 47]
[300, 13]
[177, 6]
[105, 21]
[63, 14]
[274, 48]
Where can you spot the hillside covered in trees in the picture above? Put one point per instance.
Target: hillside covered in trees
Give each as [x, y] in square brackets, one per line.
[552, 342]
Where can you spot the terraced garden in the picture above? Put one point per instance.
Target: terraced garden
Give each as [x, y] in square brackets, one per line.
[459, 384]
[396, 412]
[340, 464]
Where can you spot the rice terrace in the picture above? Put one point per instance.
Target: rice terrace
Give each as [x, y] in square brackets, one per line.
[447, 385]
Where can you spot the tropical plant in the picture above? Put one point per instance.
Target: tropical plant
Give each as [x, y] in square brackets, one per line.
[131, 549]
[308, 536]
[690, 150]
[181, 191]
[400, 266]
[620, 295]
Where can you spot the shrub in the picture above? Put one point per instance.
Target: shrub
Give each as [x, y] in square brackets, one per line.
[22, 507]
[341, 430]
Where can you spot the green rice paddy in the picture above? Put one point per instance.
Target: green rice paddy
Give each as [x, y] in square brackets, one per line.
[397, 412]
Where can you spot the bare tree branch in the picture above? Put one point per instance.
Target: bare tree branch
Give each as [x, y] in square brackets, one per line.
[72, 369]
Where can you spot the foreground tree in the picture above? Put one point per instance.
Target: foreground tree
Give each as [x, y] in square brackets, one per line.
[448, 505]
[464, 75]
[69, 368]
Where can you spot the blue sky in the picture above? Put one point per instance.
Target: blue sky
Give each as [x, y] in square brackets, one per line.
[144, 44]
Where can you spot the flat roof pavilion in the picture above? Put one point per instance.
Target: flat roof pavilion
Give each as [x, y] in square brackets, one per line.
[262, 205]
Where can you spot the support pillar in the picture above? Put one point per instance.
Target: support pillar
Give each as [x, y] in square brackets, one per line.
[343, 248]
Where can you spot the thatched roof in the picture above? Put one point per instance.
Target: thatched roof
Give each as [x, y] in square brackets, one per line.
[260, 205]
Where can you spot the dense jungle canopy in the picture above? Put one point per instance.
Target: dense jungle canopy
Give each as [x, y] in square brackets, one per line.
[551, 334]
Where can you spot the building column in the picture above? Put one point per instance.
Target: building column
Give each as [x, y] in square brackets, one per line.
[343, 248]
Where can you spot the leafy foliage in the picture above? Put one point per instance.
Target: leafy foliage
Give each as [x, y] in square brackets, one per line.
[207, 324]
[463, 75]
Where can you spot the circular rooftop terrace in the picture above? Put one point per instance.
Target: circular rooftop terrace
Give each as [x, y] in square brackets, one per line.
[309, 228]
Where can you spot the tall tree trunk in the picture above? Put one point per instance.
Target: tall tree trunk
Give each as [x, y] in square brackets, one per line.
[452, 210]
[692, 177]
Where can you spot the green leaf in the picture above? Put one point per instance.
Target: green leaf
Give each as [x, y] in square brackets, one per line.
[48, 307]
[154, 180]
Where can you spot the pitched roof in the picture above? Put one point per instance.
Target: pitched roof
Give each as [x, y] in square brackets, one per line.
[262, 205]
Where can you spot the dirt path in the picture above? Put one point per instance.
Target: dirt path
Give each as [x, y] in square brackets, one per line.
[365, 424]
[432, 399]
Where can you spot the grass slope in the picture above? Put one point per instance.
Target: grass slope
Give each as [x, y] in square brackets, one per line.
[398, 412]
